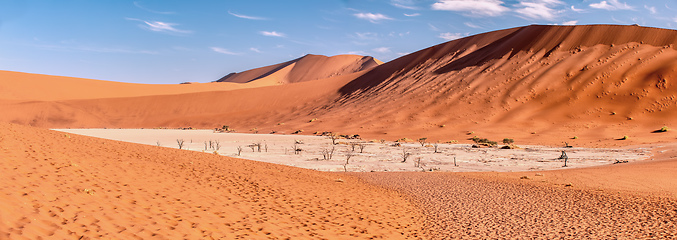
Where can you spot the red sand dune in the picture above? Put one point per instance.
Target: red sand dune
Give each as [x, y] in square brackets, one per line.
[536, 84]
[62, 186]
[307, 68]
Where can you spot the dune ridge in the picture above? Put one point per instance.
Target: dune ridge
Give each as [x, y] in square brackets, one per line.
[535, 84]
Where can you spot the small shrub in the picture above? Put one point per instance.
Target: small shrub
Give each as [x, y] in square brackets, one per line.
[664, 129]
[422, 141]
[575, 137]
[508, 141]
[625, 137]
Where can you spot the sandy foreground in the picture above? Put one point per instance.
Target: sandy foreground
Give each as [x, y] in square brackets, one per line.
[63, 185]
[374, 156]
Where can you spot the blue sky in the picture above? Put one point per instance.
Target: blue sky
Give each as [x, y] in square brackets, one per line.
[167, 41]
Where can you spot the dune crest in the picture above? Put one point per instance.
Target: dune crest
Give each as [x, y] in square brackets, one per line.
[307, 68]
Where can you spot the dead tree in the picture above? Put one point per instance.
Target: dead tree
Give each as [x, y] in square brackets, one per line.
[418, 162]
[180, 142]
[405, 155]
[297, 149]
[436, 146]
[217, 145]
[565, 157]
[345, 166]
[333, 137]
[328, 154]
[361, 146]
[205, 145]
[239, 150]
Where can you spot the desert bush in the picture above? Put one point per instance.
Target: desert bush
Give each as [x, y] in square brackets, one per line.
[422, 141]
[625, 137]
[664, 129]
[484, 141]
[508, 141]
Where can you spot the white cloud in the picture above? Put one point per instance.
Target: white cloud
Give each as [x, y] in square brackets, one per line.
[381, 50]
[412, 15]
[157, 26]
[366, 35]
[472, 25]
[538, 9]
[372, 17]
[432, 27]
[246, 16]
[611, 5]
[272, 34]
[569, 23]
[255, 50]
[404, 4]
[224, 51]
[137, 4]
[450, 36]
[651, 9]
[476, 8]
[576, 9]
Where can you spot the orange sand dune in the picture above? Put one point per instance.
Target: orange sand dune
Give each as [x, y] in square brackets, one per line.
[535, 84]
[307, 68]
[38, 87]
[62, 186]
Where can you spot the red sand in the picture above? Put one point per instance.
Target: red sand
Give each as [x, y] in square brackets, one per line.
[62, 186]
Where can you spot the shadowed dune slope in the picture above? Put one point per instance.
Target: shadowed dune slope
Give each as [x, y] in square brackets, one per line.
[307, 68]
[535, 84]
[65, 186]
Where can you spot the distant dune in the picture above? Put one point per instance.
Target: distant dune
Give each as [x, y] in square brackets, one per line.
[537, 84]
[306, 68]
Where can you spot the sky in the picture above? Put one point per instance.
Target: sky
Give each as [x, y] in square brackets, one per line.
[171, 41]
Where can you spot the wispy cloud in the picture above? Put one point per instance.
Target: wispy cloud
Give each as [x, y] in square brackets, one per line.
[256, 50]
[372, 17]
[576, 9]
[366, 35]
[246, 16]
[138, 5]
[450, 36]
[472, 25]
[651, 9]
[272, 34]
[381, 50]
[157, 26]
[432, 27]
[224, 51]
[538, 9]
[611, 5]
[404, 4]
[569, 23]
[473, 8]
[412, 15]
